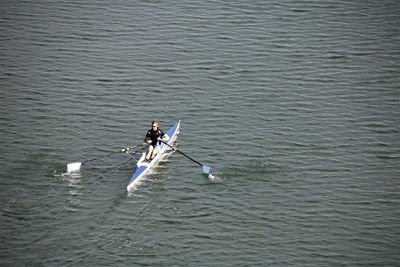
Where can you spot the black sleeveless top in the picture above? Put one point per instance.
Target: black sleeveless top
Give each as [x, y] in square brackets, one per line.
[153, 135]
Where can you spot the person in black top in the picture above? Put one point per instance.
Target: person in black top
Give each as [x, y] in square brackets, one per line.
[154, 137]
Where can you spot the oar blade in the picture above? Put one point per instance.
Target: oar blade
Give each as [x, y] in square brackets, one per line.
[74, 167]
[206, 169]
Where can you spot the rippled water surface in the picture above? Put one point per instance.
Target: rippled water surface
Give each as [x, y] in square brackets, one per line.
[295, 105]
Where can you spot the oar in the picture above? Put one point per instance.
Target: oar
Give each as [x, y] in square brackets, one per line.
[75, 166]
[206, 169]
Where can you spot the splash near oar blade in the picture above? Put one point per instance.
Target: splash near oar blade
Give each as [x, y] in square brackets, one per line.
[74, 167]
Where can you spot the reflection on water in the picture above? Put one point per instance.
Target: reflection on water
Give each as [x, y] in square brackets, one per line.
[75, 190]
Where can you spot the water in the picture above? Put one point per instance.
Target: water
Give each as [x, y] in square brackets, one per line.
[294, 104]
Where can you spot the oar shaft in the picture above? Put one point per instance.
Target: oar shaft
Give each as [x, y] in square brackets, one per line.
[124, 150]
[183, 154]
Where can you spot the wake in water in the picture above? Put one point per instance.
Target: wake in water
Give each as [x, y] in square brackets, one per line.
[57, 173]
[67, 175]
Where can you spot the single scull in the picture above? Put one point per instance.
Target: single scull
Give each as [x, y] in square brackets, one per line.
[144, 167]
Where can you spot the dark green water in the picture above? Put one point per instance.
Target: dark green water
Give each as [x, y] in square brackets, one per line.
[295, 105]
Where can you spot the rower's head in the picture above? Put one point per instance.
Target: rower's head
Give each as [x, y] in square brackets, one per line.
[154, 125]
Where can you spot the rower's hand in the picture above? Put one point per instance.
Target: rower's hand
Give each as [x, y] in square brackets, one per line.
[148, 141]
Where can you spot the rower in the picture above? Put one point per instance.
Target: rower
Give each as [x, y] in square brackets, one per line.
[154, 137]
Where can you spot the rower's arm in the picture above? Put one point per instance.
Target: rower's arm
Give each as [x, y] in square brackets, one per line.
[165, 137]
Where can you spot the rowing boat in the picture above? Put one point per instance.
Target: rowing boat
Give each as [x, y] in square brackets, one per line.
[144, 167]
